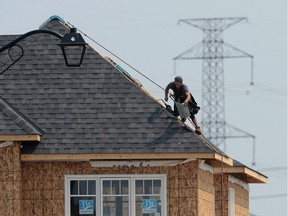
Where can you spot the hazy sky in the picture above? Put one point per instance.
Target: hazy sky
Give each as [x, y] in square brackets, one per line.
[146, 34]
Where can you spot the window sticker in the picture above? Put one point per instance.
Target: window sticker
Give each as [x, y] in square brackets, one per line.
[149, 206]
[86, 206]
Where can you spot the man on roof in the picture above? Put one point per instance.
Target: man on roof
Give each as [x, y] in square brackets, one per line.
[182, 95]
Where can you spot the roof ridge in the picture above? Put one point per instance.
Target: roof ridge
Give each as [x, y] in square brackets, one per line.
[61, 20]
[19, 118]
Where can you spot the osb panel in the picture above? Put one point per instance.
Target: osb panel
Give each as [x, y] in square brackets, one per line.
[241, 211]
[218, 181]
[188, 182]
[188, 192]
[241, 195]
[6, 158]
[221, 212]
[173, 207]
[205, 196]
[173, 193]
[188, 170]
[187, 207]
[58, 209]
[205, 176]
[173, 182]
[27, 207]
[10, 180]
[7, 207]
[205, 208]
[206, 186]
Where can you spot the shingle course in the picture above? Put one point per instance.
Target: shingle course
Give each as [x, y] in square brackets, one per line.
[91, 109]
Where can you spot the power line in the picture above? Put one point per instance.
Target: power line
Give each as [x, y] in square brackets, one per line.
[126, 63]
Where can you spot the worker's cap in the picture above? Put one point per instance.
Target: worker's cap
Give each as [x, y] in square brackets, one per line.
[178, 79]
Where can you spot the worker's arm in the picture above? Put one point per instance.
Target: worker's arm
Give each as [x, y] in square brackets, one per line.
[188, 98]
[166, 93]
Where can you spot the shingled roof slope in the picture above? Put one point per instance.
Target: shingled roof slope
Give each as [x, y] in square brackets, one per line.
[92, 109]
[14, 122]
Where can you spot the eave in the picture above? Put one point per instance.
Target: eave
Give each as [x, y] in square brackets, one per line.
[251, 175]
[30, 137]
[127, 156]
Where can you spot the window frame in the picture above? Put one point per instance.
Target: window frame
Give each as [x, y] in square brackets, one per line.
[131, 185]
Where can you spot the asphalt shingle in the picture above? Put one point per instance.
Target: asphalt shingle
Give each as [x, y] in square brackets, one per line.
[91, 109]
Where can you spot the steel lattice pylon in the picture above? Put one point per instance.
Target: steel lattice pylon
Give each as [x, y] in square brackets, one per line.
[213, 50]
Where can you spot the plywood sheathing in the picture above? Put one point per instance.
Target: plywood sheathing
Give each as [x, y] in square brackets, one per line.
[190, 190]
[206, 192]
[10, 180]
[43, 185]
[221, 194]
[241, 199]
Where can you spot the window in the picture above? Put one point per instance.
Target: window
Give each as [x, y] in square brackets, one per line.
[121, 195]
[115, 197]
[82, 197]
[148, 197]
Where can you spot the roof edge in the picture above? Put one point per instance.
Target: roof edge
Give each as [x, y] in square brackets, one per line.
[123, 156]
[30, 137]
[252, 176]
[18, 118]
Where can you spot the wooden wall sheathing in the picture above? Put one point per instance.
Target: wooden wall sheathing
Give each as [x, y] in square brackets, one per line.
[190, 189]
[241, 200]
[205, 193]
[10, 180]
[43, 185]
[221, 198]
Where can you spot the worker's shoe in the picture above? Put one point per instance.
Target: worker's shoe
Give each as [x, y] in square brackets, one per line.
[183, 119]
[198, 130]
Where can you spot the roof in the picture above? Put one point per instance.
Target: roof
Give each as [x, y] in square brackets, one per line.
[93, 109]
[14, 122]
[95, 112]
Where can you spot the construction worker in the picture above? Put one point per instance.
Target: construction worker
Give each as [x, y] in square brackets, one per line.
[182, 95]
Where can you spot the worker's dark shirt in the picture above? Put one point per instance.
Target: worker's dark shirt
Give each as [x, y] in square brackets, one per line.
[179, 94]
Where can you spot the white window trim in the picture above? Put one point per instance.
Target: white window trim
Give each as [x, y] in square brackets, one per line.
[131, 177]
[231, 197]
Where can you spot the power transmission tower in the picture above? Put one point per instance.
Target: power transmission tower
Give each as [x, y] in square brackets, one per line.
[213, 50]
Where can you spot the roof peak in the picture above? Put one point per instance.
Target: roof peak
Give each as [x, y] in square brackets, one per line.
[60, 19]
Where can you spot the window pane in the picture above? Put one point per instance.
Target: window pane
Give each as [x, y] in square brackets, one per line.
[139, 186]
[116, 206]
[83, 206]
[124, 187]
[91, 187]
[115, 187]
[106, 187]
[83, 187]
[156, 186]
[148, 205]
[147, 186]
[74, 187]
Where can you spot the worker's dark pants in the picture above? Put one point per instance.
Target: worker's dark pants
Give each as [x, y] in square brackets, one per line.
[176, 113]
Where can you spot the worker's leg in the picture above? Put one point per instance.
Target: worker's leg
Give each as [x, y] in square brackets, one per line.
[175, 111]
[194, 120]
